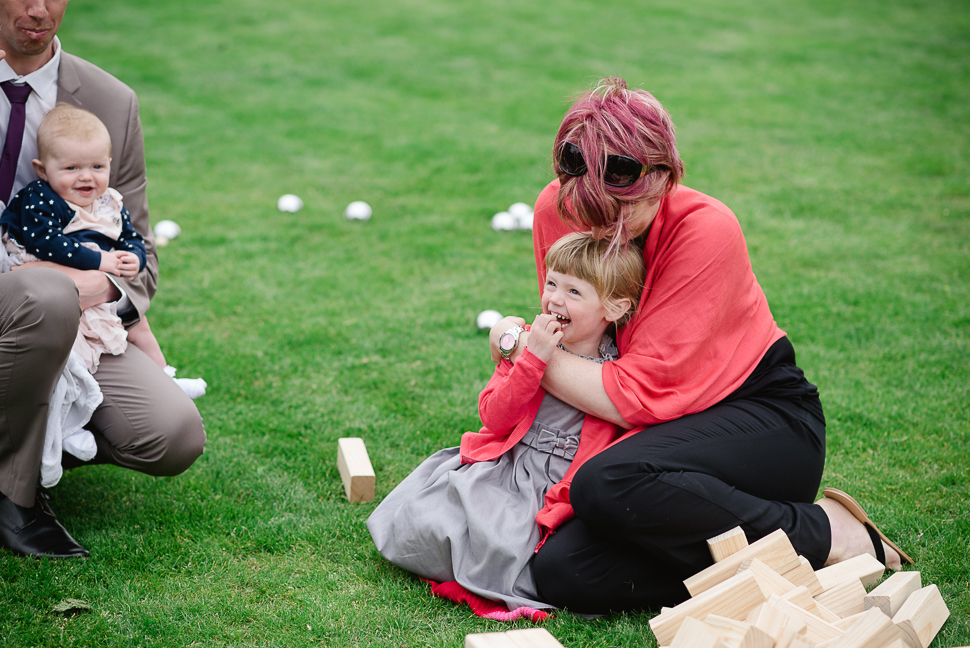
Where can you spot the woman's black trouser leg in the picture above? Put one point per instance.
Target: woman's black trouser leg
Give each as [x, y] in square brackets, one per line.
[646, 507]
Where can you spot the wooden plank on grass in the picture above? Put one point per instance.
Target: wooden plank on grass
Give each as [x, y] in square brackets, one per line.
[355, 469]
[523, 638]
[921, 616]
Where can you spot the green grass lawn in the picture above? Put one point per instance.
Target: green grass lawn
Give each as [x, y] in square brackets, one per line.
[838, 132]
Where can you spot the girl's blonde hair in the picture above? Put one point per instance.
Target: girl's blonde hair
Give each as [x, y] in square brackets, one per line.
[65, 120]
[616, 274]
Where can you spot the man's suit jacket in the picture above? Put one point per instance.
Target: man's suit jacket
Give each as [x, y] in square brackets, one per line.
[87, 86]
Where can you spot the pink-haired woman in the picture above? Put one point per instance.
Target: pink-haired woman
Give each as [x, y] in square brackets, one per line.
[732, 433]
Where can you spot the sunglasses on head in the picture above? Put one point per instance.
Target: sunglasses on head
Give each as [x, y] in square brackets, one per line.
[621, 171]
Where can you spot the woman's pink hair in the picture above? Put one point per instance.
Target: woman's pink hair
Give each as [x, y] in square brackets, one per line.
[610, 119]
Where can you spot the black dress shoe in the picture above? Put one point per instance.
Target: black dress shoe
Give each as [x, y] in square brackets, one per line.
[35, 531]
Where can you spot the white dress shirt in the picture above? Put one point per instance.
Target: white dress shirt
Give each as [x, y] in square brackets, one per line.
[43, 82]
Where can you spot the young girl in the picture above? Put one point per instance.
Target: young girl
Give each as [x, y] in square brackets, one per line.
[476, 514]
[73, 218]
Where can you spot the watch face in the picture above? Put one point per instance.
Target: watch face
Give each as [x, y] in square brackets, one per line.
[507, 341]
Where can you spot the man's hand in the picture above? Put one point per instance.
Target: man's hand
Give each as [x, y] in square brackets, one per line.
[119, 263]
[543, 337]
[503, 325]
[93, 286]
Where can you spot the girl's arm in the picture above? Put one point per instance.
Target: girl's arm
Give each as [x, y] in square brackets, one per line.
[38, 225]
[130, 240]
[505, 399]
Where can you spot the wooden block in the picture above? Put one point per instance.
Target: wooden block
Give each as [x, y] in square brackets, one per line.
[824, 613]
[921, 616]
[802, 642]
[770, 581]
[890, 595]
[532, 638]
[739, 634]
[845, 599]
[847, 622]
[817, 629]
[864, 567]
[487, 640]
[779, 625]
[873, 629]
[804, 575]
[732, 598]
[792, 639]
[727, 543]
[694, 633]
[774, 550]
[801, 597]
[524, 638]
[355, 469]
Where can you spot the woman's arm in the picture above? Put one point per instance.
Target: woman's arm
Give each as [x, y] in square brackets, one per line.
[579, 382]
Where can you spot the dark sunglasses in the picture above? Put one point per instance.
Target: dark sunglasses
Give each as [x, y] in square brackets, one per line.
[621, 171]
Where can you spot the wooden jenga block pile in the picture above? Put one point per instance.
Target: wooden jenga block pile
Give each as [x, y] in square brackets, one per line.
[764, 595]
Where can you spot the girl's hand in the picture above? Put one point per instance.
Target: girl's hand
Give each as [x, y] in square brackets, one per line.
[544, 336]
[119, 263]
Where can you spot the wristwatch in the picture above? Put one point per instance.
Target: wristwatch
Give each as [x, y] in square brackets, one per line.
[508, 341]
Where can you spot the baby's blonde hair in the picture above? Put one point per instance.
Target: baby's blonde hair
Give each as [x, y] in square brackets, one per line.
[616, 274]
[65, 120]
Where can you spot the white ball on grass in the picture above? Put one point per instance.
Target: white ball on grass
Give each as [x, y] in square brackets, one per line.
[525, 221]
[289, 203]
[167, 229]
[519, 209]
[358, 210]
[487, 319]
[504, 221]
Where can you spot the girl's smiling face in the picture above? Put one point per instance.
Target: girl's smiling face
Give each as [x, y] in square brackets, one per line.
[578, 308]
[76, 170]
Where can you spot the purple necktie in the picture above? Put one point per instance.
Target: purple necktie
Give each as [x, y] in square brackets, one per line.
[17, 94]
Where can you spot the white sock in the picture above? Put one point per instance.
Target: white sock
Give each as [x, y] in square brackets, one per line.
[194, 387]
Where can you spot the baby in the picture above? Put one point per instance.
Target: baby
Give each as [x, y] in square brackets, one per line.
[73, 218]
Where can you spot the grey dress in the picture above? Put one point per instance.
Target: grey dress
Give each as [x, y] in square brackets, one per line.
[475, 523]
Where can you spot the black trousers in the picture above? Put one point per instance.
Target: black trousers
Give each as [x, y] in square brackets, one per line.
[646, 507]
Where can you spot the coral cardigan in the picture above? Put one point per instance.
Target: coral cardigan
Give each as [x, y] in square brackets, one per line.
[508, 405]
[703, 323]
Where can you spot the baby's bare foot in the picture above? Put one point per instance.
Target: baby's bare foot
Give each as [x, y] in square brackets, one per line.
[850, 538]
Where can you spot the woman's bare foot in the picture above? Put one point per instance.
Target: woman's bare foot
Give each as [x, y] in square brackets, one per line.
[850, 538]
